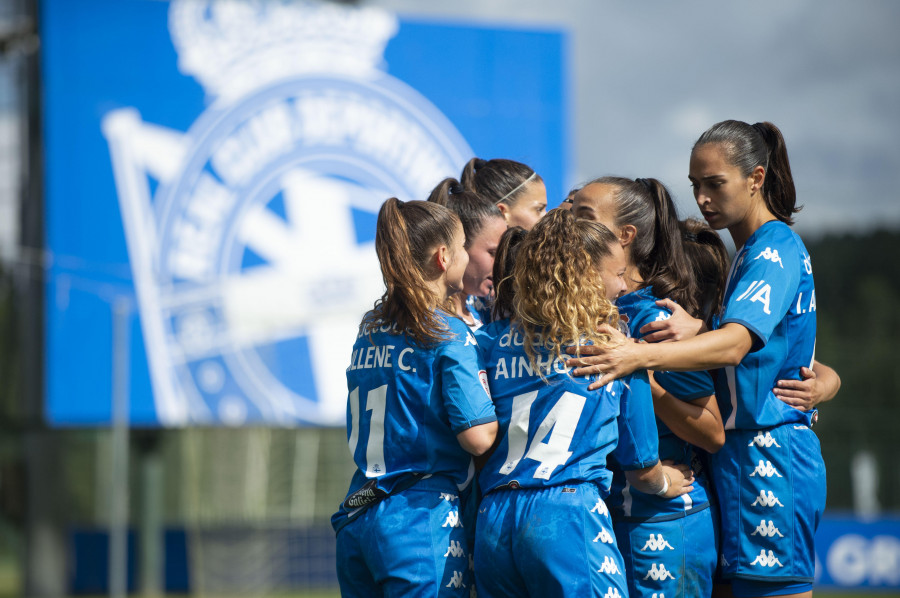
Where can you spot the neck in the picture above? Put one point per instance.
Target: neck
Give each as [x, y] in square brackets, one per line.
[458, 300]
[741, 231]
[633, 278]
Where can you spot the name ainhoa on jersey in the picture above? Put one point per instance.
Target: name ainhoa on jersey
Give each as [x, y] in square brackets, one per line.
[519, 366]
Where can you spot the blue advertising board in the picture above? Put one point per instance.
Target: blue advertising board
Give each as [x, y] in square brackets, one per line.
[856, 553]
[219, 166]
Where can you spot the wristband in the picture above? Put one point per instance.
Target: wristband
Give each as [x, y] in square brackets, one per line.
[665, 487]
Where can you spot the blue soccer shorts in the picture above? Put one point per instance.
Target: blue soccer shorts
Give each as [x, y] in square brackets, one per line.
[549, 542]
[770, 485]
[674, 558]
[410, 544]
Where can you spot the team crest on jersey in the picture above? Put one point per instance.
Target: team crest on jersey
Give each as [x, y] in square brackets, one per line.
[250, 234]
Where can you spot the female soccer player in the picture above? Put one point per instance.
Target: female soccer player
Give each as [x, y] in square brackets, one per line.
[669, 545]
[516, 189]
[543, 528]
[483, 224]
[769, 476]
[416, 413]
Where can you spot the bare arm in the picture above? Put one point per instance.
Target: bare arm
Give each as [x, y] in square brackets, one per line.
[478, 439]
[819, 384]
[715, 349]
[677, 479]
[698, 422]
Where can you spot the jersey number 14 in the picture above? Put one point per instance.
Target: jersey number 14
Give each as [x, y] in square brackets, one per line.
[560, 424]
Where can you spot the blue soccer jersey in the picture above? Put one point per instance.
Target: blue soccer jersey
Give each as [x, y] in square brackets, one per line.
[770, 291]
[406, 404]
[553, 429]
[625, 502]
[480, 308]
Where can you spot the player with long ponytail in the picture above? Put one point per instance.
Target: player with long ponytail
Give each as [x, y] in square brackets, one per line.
[417, 412]
[769, 476]
[669, 544]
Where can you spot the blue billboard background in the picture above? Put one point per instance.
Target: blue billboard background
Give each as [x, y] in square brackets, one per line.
[132, 102]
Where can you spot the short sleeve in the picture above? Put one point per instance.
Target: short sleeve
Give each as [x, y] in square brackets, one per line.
[686, 386]
[464, 384]
[638, 445]
[764, 286]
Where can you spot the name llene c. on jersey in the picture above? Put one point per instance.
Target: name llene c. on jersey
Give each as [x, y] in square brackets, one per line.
[553, 429]
[405, 406]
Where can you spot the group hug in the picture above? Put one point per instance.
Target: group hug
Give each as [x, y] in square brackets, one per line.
[595, 400]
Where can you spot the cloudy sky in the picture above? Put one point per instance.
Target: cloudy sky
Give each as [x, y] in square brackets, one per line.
[648, 77]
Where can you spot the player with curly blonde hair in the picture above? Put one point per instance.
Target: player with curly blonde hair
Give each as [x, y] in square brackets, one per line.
[543, 528]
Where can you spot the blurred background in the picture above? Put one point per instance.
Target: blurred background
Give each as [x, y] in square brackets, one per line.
[187, 201]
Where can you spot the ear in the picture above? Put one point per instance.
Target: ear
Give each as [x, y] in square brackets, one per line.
[442, 258]
[756, 179]
[627, 235]
[504, 209]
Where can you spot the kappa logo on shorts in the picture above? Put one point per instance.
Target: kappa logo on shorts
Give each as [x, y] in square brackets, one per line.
[600, 507]
[771, 255]
[764, 440]
[284, 161]
[723, 562]
[455, 549]
[766, 560]
[767, 530]
[657, 543]
[767, 500]
[604, 536]
[766, 470]
[660, 595]
[659, 573]
[456, 581]
[453, 520]
[609, 567]
[612, 593]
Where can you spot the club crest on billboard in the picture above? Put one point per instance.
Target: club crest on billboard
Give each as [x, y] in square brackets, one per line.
[250, 234]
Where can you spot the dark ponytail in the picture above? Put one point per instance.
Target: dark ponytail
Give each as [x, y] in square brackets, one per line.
[406, 237]
[504, 261]
[473, 211]
[762, 144]
[657, 250]
[497, 180]
[708, 258]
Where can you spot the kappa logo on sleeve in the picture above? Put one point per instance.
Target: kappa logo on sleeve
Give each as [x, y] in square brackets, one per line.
[772, 255]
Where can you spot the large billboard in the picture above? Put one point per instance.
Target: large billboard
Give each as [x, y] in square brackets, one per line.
[216, 167]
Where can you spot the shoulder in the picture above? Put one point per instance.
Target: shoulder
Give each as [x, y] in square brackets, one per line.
[640, 307]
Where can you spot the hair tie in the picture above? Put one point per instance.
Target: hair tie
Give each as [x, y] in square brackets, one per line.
[479, 163]
[522, 184]
[455, 189]
[690, 237]
[646, 183]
